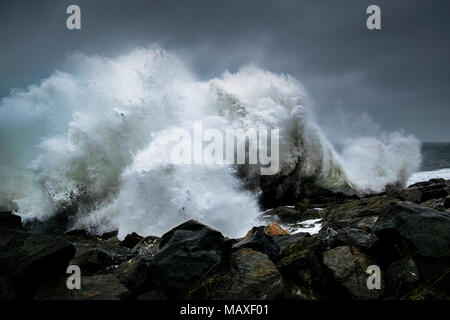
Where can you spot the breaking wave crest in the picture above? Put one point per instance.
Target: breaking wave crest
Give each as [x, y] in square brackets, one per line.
[96, 140]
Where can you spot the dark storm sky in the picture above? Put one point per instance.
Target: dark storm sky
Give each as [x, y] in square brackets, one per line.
[399, 76]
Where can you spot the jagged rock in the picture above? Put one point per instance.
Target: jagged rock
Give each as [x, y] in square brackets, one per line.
[93, 261]
[355, 211]
[259, 241]
[300, 263]
[274, 229]
[447, 202]
[411, 194]
[426, 229]
[249, 275]
[337, 234]
[147, 247]
[96, 254]
[185, 254]
[10, 220]
[348, 266]
[135, 274]
[28, 258]
[402, 277]
[98, 287]
[131, 240]
[285, 241]
[109, 235]
[432, 189]
[284, 214]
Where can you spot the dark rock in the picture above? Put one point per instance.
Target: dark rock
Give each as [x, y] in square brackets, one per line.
[93, 261]
[99, 287]
[27, 258]
[259, 241]
[426, 229]
[338, 234]
[432, 189]
[285, 241]
[348, 266]
[274, 229]
[284, 214]
[402, 277]
[185, 254]
[249, 275]
[447, 202]
[135, 274]
[301, 265]
[10, 220]
[131, 240]
[147, 247]
[109, 235]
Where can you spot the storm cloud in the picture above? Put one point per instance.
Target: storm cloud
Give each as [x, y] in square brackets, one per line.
[397, 77]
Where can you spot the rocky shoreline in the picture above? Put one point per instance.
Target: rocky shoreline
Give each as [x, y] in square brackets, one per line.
[406, 233]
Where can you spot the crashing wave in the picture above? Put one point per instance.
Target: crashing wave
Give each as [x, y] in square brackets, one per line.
[96, 139]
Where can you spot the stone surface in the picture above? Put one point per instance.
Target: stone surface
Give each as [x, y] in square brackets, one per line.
[249, 275]
[258, 240]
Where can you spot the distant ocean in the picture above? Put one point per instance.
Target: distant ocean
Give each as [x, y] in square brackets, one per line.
[435, 162]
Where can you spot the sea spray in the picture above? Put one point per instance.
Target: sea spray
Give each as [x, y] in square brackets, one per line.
[97, 137]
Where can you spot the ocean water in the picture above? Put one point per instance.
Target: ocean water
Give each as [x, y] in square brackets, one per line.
[435, 163]
[96, 138]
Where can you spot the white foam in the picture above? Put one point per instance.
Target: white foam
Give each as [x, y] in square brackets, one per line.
[98, 134]
[427, 175]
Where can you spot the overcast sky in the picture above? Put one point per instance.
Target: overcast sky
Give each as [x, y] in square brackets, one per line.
[399, 77]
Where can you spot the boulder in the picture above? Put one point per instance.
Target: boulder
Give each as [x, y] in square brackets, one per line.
[274, 229]
[98, 287]
[249, 275]
[336, 234]
[428, 230]
[259, 241]
[348, 266]
[447, 202]
[131, 240]
[93, 261]
[402, 277]
[135, 274]
[285, 241]
[185, 254]
[29, 258]
[10, 220]
[300, 264]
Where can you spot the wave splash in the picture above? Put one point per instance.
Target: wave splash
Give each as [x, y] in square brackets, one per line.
[97, 141]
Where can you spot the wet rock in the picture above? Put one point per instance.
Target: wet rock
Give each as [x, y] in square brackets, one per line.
[432, 189]
[249, 275]
[283, 214]
[300, 263]
[28, 258]
[185, 254]
[99, 287]
[109, 235]
[93, 261]
[447, 202]
[426, 229]
[348, 266]
[285, 241]
[147, 247]
[402, 277]
[274, 229]
[135, 274]
[259, 241]
[337, 234]
[131, 240]
[10, 220]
